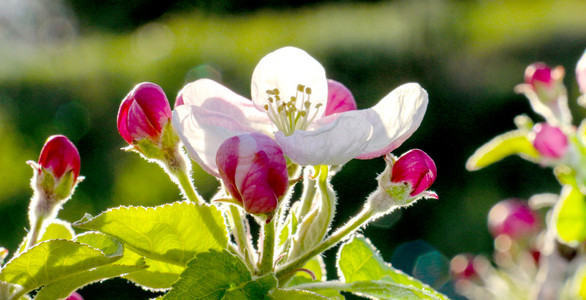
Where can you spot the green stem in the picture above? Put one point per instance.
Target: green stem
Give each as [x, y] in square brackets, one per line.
[308, 196]
[285, 272]
[180, 167]
[241, 237]
[187, 187]
[268, 249]
[33, 235]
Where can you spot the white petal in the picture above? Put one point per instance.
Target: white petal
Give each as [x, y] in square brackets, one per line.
[285, 69]
[203, 131]
[215, 97]
[332, 144]
[394, 119]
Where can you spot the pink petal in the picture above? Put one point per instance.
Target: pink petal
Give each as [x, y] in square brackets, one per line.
[340, 98]
[60, 155]
[417, 168]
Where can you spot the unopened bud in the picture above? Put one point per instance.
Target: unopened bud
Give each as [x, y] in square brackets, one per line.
[462, 267]
[57, 171]
[550, 141]
[254, 172]
[403, 181]
[514, 218]
[74, 296]
[143, 113]
[545, 81]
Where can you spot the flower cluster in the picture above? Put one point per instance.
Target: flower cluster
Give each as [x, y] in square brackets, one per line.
[530, 259]
[298, 128]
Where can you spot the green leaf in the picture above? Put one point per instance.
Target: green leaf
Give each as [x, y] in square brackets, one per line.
[158, 276]
[279, 294]
[58, 229]
[359, 261]
[219, 275]
[380, 289]
[62, 288]
[172, 233]
[53, 260]
[509, 143]
[570, 216]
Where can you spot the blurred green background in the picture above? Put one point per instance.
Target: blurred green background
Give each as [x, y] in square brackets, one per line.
[65, 66]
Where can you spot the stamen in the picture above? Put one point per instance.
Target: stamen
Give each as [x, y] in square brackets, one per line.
[295, 114]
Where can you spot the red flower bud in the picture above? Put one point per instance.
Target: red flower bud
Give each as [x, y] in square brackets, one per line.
[462, 267]
[550, 141]
[512, 217]
[143, 113]
[539, 73]
[416, 168]
[340, 98]
[254, 171]
[74, 296]
[59, 156]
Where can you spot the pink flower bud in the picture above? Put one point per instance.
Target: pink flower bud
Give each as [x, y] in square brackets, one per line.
[340, 98]
[581, 73]
[143, 113]
[539, 73]
[550, 141]
[59, 156]
[514, 218]
[416, 168]
[462, 267]
[74, 296]
[254, 171]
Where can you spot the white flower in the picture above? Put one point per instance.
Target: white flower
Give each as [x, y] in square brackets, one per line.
[289, 97]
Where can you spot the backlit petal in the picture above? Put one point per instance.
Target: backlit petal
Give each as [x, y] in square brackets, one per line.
[340, 98]
[394, 119]
[285, 69]
[213, 96]
[203, 131]
[334, 143]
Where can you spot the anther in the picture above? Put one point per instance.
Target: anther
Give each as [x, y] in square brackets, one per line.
[308, 90]
[300, 87]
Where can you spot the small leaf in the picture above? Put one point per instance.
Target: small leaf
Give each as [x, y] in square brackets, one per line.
[172, 233]
[570, 215]
[316, 266]
[359, 261]
[506, 144]
[279, 294]
[219, 275]
[53, 260]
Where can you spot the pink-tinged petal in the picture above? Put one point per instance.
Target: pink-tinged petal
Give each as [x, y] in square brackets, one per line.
[122, 120]
[417, 168]
[285, 69]
[394, 119]
[254, 171]
[340, 98]
[550, 141]
[59, 155]
[334, 143]
[179, 99]
[203, 131]
[213, 96]
[513, 217]
[581, 73]
[538, 72]
[154, 103]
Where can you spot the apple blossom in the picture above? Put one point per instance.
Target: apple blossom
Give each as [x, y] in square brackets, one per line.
[59, 156]
[143, 113]
[289, 91]
[254, 171]
[550, 141]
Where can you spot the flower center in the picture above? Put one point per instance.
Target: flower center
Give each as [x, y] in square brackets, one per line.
[295, 114]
